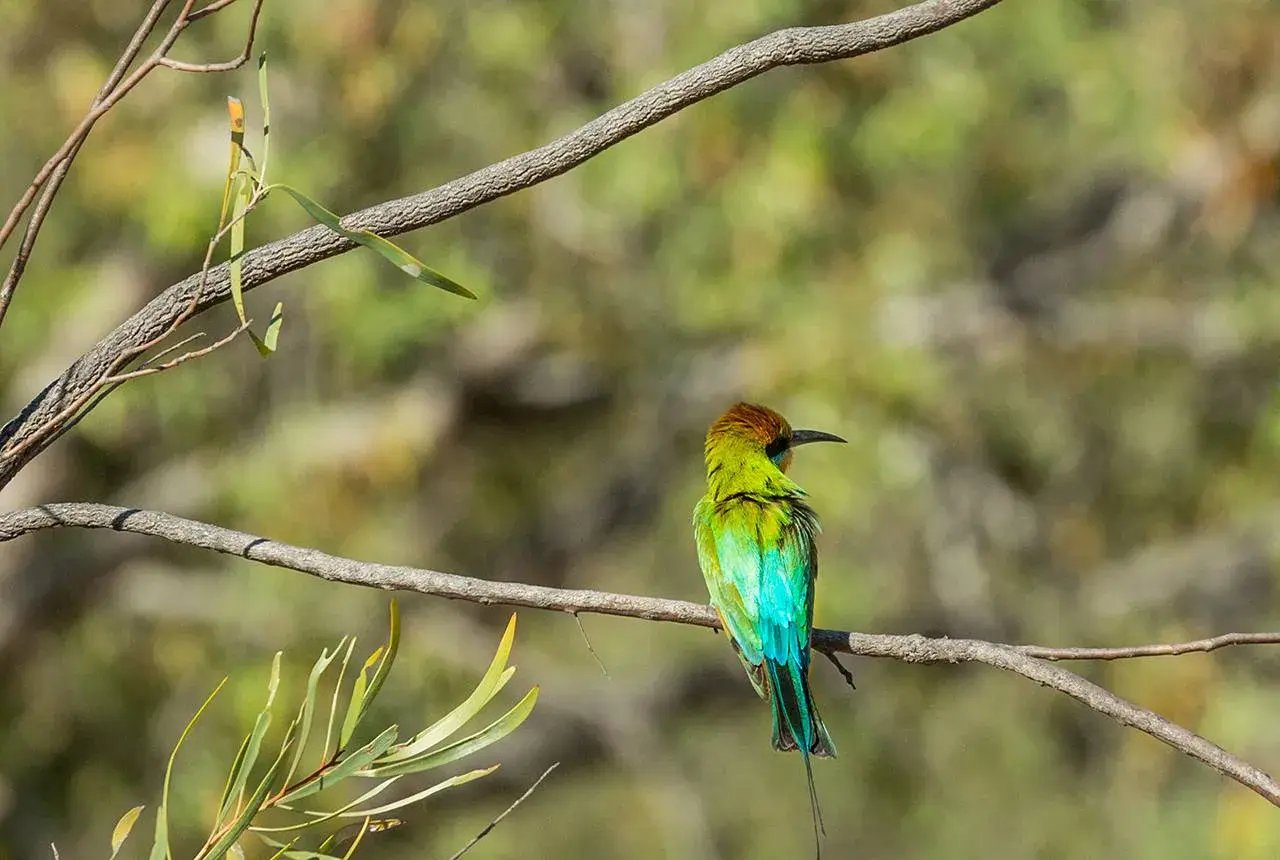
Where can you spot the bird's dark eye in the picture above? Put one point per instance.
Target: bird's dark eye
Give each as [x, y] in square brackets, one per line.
[777, 447]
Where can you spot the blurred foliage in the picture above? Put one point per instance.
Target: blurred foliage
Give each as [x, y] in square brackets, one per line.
[1027, 266]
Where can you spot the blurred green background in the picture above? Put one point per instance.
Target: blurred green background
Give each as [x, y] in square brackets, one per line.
[1027, 266]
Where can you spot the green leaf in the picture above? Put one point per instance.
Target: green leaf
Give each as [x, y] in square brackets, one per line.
[388, 657]
[284, 849]
[451, 782]
[495, 731]
[266, 113]
[236, 194]
[294, 855]
[254, 806]
[494, 679]
[160, 847]
[355, 707]
[267, 343]
[306, 712]
[123, 828]
[333, 705]
[321, 817]
[362, 695]
[235, 116]
[252, 747]
[399, 257]
[240, 195]
[345, 768]
[231, 774]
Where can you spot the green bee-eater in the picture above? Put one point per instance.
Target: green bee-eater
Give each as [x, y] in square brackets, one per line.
[755, 537]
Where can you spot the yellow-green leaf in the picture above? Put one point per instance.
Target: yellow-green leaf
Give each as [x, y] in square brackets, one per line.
[266, 114]
[494, 679]
[492, 733]
[399, 257]
[267, 343]
[123, 828]
[306, 712]
[160, 847]
[252, 748]
[354, 707]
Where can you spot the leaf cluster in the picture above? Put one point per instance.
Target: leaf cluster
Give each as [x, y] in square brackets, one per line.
[252, 790]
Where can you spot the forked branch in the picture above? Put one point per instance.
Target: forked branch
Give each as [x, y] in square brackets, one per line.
[48, 180]
[794, 46]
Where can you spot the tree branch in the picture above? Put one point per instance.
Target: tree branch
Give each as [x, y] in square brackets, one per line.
[795, 46]
[1028, 661]
[117, 86]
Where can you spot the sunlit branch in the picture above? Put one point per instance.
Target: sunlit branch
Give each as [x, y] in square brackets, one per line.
[1029, 661]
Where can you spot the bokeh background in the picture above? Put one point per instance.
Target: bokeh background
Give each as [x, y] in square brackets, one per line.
[1028, 266]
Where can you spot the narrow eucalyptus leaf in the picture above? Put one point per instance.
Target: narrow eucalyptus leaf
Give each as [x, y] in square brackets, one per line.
[235, 117]
[333, 705]
[286, 850]
[252, 808]
[492, 733]
[239, 205]
[321, 817]
[306, 713]
[266, 114]
[388, 658]
[252, 748]
[355, 708]
[399, 257]
[160, 846]
[494, 679]
[460, 779]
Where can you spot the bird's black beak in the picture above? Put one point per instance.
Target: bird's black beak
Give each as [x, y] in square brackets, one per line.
[804, 437]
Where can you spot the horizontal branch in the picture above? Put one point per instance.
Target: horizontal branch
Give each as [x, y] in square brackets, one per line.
[794, 46]
[1167, 649]
[1029, 661]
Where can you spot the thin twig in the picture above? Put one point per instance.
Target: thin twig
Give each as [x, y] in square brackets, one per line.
[587, 640]
[48, 180]
[73, 412]
[907, 648]
[209, 10]
[152, 369]
[230, 65]
[122, 66]
[492, 824]
[132, 49]
[172, 348]
[58, 424]
[794, 46]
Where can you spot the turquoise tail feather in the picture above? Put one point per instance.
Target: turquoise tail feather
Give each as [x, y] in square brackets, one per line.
[797, 726]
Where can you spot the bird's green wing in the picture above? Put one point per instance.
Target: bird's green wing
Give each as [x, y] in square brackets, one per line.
[789, 565]
[730, 559]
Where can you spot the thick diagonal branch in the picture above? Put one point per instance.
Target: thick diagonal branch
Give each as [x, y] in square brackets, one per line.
[909, 648]
[795, 46]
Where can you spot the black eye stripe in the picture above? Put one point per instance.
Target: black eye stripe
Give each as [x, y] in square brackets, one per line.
[776, 447]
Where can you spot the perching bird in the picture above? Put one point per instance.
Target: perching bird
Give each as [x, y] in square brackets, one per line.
[755, 537]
